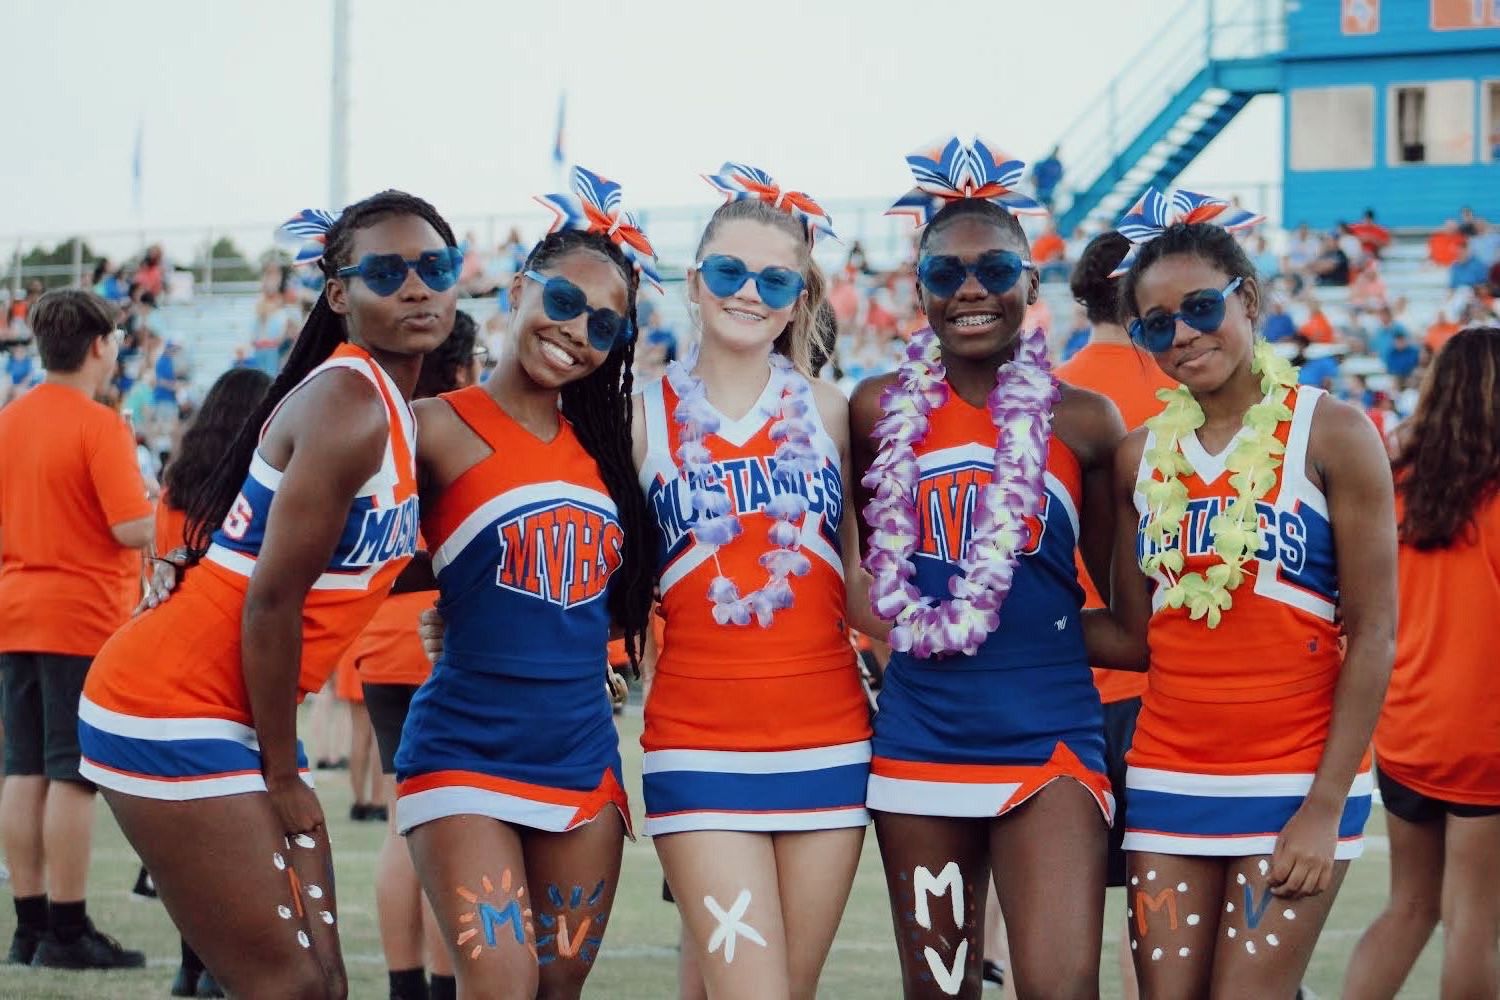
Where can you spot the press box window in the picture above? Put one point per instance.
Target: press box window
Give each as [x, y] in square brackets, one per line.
[1431, 123]
[1333, 128]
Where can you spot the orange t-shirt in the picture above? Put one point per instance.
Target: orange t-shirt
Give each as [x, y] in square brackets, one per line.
[170, 525]
[1444, 249]
[1439, 731]
[1047, 247]
[389, 651]
[1317, 328]
[1130, 378]
[1439, 334]
[67, 474]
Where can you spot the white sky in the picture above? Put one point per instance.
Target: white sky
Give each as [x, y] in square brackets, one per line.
[455, 100]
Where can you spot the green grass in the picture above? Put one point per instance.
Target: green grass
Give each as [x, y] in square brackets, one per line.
[639, 956]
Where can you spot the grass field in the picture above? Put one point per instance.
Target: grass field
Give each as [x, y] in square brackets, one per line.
[639, 956]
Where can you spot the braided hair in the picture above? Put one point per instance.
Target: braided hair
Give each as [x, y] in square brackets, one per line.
[321, 335]
[598, 407]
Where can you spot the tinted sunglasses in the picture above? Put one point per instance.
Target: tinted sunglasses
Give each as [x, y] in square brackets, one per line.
[997, 270]
[385, 273]
[562, 300]
[1202, 310]
[778, 287]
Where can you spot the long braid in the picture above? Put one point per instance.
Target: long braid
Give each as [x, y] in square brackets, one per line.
[321, 335]
[598, 407]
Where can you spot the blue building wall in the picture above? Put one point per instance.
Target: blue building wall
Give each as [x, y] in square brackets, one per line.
[1328, 46]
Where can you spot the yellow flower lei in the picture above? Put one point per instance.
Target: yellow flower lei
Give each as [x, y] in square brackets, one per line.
[1236, 529]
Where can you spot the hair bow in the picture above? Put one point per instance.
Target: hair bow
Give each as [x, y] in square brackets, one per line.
[306, 234]
[595, 207]
[954, 172]
[1151, 216]
[739, 181]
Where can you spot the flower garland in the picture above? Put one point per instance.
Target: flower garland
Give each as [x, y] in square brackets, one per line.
[1021, 408]
[717, 524]
[1236, 530]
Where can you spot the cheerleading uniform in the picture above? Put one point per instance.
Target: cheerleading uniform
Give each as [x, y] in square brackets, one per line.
[1233, 725]
[976, 736]
[750, 728]
[515, 722]
[165, 713]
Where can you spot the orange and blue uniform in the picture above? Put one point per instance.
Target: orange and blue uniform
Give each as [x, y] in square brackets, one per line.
[165, 712]
[749, 728]
[1233, 724]
[975, 736]
[515, 722]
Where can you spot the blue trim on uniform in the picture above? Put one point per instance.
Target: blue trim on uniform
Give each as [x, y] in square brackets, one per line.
[717, 791]
[194, 758]
[1229, 816]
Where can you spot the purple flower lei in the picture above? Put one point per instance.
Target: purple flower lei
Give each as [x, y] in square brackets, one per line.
[795, 460]
[1021, 407]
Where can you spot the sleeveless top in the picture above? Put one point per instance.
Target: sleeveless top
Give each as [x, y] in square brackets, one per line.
[523, 545]
[808, 637]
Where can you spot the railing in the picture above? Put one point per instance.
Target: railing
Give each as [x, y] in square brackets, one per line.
[1199, 32]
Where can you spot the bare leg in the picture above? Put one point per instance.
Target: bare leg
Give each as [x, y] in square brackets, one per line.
[814, 871]
[1172, 908]
[1385, 955]
[67, 836]
[574, 876]
[689, 976]
[996, 947]
[362, 755]
[1471, 908]
[1265, 942]
[725, 883]
[1129, 988]
[258, 910]
[22, 805]
[398, 896]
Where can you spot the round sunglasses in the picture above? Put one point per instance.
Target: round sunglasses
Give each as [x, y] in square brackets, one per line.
[1202, 310]
[562, 300]
[385, 273]
[778, 287]
[997, 270]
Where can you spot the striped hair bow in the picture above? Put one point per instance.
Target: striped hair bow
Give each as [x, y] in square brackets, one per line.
[1151, 216]
[595, 206]
[955, 172]
[306, 234]
[740, 181]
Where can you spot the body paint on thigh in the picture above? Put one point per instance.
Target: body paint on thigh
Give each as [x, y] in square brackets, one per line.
[566, 930]
[495, 916]
[298, 889]
[731, 925]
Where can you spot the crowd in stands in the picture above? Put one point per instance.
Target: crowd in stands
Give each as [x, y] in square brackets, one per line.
[1329, 305]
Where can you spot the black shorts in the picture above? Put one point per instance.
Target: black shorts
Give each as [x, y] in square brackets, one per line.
[1414, 807]
[1119, 730]
[40, 708]
[388, 705]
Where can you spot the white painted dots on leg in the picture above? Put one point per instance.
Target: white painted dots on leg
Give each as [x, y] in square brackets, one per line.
[1273, 940]
[303, 940]
[315, 891]
[1264, 866]
[1228, 907]
[1250, 947]
[1151, 876]
[1156, 955]
[1231, 932]
[284, 912]
[1192, 919]
[1184, 952]
[1240, 878]
[1289, 914]
[1182, 887]
[1135, 880]
[1134, 945]
[278, 861]
[326, 917]
[303, 840]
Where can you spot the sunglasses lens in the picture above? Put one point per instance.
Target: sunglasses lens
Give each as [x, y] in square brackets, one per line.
[723, 275]
[942, 275]
[562, 300]
[1157, 331]
[438, 269]
[778, 286]
[1203, 311]
[999, 271]
[604, 328]
[383, 273]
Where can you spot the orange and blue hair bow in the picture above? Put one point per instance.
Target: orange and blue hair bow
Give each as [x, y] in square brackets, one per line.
[1154, 212]
[740, 181]
[595, 207]
[306, 234]
[956, 172]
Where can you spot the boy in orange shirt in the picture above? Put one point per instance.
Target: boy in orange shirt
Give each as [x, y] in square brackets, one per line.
[73, 515]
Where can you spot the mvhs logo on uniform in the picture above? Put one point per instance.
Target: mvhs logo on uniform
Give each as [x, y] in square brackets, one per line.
[562, 553]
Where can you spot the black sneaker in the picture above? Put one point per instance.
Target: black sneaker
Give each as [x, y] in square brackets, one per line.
[185, 983]
[359, 812]
[377, 814]
[145, 887]
[23, 946]
[92, 950]
[208, 986]
[994, 972]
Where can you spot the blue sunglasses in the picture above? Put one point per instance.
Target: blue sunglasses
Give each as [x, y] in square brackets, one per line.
[1202, 310]
[562, 300]
[385, 273]
[997, 270]
[778, 287]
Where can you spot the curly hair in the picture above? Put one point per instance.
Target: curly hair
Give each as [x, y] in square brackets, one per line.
[1449, 461]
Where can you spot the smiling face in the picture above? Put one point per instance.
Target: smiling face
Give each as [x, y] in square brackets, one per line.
[1203, 362]
[412, 320]
[974, 323]
[551, 352]
[741, 321]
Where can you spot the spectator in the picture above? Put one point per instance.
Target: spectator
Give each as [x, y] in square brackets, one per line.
[1402, 356]
[1078, 336]
[1317, 328]
[1267, 264]
[277, 319]
[1440, 332]
[1386, 332]
[1367, 291]
[1468, 222]
[106, 283]
[1468, 271]
[1446, 246]
[1046, 175]
[1278, 325]
[1048, 253]
[1353, 249]
[151, 275]
[1331, 266]
[1373, 237]
[1303, 248]
[1485, 243]
[856, 262]
[1320, 369]
[73, 513]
